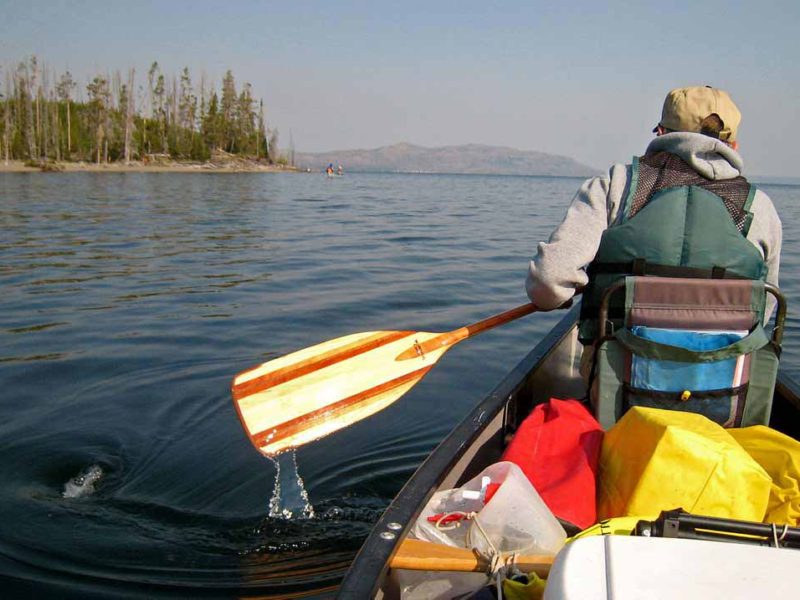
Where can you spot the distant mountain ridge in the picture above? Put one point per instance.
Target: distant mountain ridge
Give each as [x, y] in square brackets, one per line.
[469, 158]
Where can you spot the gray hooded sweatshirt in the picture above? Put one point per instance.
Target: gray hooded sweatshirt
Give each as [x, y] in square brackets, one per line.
[559, 266]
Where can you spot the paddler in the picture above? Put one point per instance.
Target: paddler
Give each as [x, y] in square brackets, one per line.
[695, 146]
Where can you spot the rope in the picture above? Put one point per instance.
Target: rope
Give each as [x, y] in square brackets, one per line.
[452, 523]
[785, 531]
[499, 566]
[775, 537]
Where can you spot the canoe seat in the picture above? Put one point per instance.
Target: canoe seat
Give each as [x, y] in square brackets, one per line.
[694, 345]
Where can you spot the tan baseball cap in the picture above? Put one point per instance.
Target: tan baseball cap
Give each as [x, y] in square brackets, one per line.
[685, 108]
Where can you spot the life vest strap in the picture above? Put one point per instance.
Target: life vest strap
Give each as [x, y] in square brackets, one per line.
[640, 267]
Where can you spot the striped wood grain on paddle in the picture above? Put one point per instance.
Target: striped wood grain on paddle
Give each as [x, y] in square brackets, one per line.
[313, 392]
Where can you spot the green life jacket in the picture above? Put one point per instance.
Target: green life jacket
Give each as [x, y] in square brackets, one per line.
[673, 223]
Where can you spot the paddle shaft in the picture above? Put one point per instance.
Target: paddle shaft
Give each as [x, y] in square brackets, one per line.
[417, 555]
[450, 338]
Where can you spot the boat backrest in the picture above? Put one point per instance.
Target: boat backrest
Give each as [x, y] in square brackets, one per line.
[696, 345]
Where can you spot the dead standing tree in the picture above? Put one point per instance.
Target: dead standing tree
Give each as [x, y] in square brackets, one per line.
[64, 90]
[7, 108]
[33, 92]
[151, 89]
[158, 105]
[129, 108]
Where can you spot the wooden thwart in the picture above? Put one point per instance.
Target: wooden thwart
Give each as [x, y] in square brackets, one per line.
[417, 555]
[303, 396]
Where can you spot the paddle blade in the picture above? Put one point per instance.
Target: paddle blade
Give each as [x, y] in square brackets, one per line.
[303, 396]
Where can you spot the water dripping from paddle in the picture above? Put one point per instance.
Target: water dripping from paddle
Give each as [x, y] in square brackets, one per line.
[289, 496]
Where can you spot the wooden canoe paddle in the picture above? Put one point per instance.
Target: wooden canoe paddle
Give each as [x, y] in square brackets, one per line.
[417, 555]
[289, 401]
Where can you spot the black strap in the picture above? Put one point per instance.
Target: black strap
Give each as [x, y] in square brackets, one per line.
[593, 369]
[640, 267]
[676, 396]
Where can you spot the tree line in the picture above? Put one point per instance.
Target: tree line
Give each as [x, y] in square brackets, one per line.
[44, 116]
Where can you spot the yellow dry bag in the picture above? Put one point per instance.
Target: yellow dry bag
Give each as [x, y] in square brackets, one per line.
[779, 455]
[654, 460]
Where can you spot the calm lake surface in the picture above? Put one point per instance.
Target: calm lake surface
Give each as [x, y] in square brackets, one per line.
[129, 302]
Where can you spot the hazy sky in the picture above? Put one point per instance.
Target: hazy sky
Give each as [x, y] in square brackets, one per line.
[574, 78]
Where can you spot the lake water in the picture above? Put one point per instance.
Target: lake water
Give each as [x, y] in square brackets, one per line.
[129, 302]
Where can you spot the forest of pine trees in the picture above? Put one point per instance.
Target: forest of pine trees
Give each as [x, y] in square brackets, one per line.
[45, 117]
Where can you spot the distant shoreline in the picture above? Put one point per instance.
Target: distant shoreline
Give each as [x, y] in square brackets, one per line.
[252, 166]
[237, 166]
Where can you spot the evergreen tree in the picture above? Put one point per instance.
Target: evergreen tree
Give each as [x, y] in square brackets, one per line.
[245, 121]
[211, 124]
[99, 100]
[228, 116]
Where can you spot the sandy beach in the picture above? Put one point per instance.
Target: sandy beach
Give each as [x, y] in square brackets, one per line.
[230, 166]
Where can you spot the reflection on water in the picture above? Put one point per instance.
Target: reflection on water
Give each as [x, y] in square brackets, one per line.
[131, 300]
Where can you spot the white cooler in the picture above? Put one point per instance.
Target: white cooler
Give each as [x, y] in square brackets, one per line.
[642, 568]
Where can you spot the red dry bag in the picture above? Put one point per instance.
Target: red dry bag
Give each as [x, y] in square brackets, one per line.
[557, 446]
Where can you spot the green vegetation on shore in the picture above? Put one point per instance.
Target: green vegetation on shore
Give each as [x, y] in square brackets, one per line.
[44, 117]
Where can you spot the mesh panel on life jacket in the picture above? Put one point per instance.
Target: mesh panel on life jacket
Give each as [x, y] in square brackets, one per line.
[661, 170]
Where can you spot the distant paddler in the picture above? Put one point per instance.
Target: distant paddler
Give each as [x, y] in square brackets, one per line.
[329, 170]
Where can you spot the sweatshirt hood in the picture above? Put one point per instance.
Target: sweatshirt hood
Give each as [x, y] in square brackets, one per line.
[710, 157]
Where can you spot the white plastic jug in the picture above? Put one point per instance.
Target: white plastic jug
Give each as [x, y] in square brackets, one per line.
[514, 518]
[510, 512]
